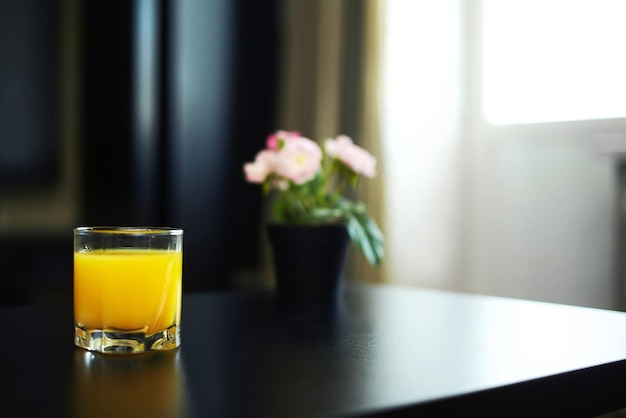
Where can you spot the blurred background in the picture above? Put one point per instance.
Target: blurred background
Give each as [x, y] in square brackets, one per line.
[499, 127]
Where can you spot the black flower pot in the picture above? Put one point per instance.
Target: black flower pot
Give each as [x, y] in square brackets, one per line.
[308, 262]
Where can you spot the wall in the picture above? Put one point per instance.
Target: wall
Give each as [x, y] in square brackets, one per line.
[542, 221]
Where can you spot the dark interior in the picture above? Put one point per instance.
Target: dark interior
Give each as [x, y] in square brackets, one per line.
[169, 111]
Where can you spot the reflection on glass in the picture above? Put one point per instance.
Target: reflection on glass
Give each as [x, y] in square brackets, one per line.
[118, 386]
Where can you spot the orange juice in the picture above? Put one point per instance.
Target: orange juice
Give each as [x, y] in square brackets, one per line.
[130, 290]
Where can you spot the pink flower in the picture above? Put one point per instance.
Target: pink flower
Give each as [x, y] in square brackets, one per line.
[263, 165]
[354, 157]
[273, 140]
[299, 159]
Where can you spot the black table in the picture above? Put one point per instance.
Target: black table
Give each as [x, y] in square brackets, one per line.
[385, 350]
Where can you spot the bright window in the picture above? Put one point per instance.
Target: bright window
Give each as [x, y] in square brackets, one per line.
[553, 60]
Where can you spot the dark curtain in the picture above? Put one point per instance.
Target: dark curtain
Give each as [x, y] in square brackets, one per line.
[30, 143]
[29, 139]
[176, 96]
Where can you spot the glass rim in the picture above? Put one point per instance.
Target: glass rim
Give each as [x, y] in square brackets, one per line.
[129, 230]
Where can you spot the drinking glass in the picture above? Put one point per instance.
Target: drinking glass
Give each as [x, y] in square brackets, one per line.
[127, 288]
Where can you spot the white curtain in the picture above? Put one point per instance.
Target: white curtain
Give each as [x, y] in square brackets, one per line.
[421, 121]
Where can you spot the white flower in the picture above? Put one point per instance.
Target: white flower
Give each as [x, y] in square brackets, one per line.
[298, 160]
[263, 166]
[354, 157]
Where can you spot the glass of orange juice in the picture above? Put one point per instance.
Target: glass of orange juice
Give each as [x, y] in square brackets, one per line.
[127, 288]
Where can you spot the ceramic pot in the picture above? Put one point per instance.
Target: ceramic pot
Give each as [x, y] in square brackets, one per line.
[308, 262]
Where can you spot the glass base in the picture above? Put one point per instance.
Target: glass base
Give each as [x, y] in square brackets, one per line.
[126, 342]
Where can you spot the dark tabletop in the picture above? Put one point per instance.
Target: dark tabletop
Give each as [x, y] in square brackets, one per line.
[383, 350]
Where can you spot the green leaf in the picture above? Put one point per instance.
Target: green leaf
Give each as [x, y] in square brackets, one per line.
[366, 235]
[359, 237]
[372, 228]
[375, 236]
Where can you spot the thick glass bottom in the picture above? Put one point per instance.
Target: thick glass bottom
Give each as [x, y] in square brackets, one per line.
[126, 342]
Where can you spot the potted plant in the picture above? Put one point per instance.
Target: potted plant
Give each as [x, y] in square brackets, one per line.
[314, 219]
